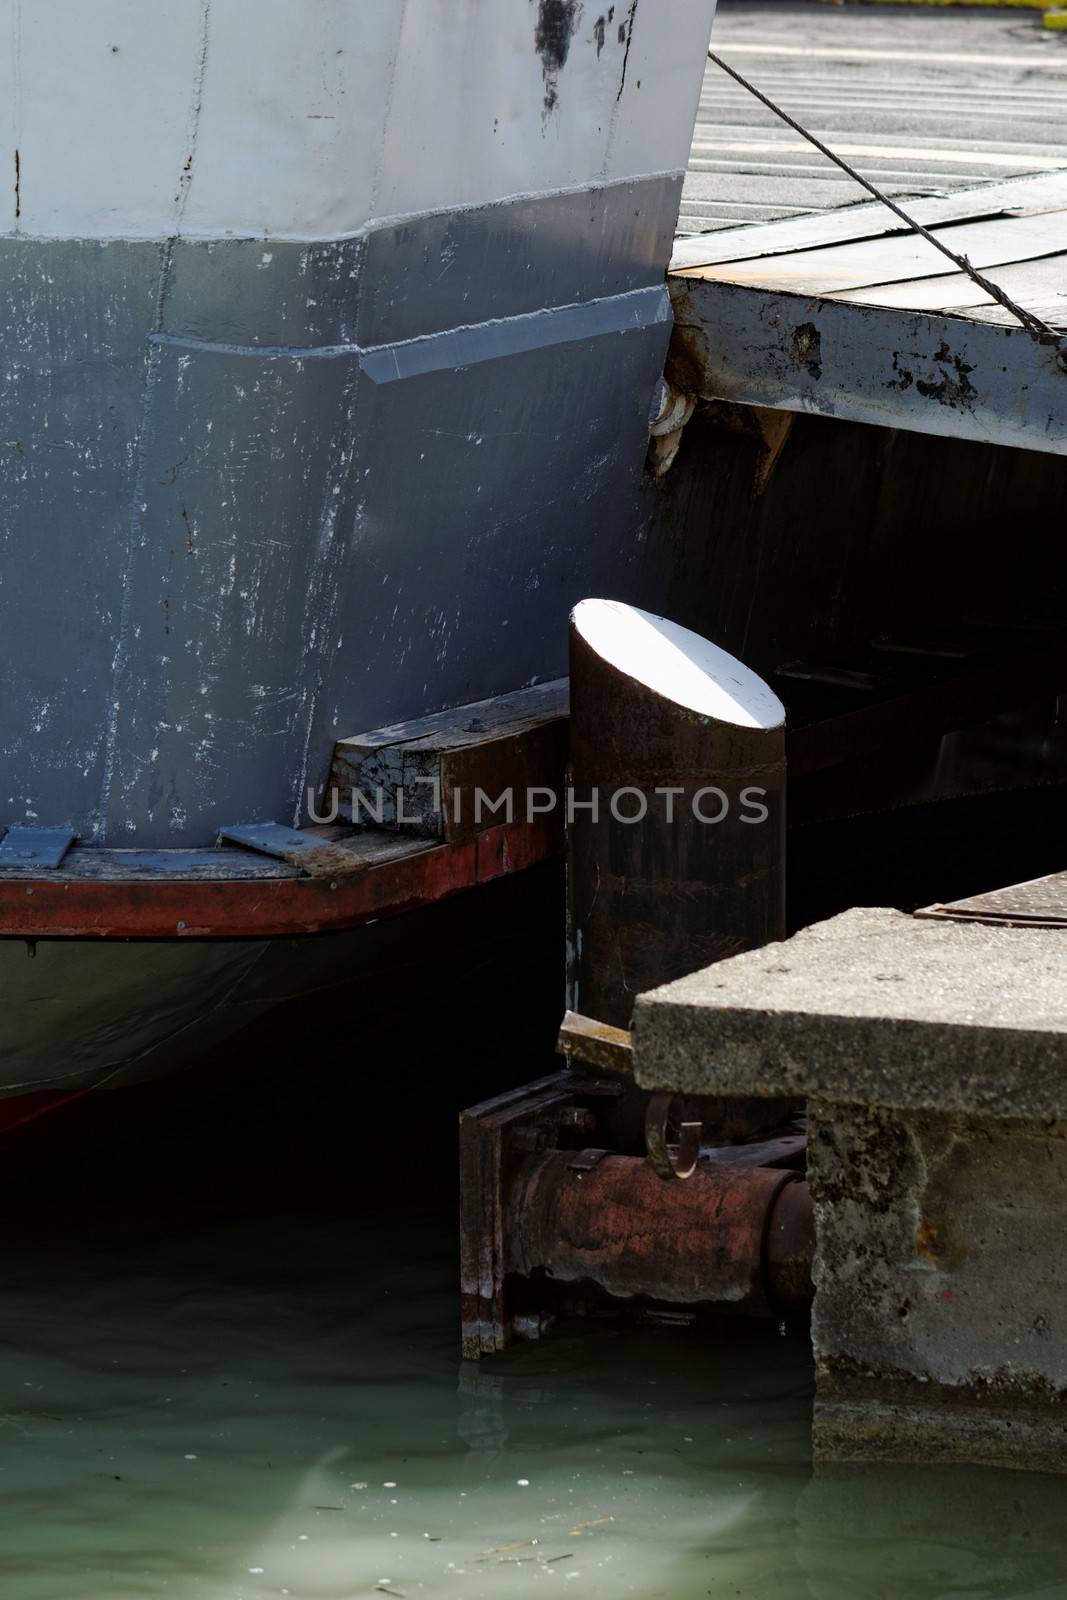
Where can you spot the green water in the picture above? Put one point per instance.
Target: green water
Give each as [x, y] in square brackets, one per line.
[236, 1400]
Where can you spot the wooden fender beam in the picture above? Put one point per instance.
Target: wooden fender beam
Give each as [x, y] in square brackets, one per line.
[129, 902]
[269, 881]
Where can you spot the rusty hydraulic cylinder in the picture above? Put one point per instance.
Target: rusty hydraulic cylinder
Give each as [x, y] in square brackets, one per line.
[676, 808]
[738, 1239]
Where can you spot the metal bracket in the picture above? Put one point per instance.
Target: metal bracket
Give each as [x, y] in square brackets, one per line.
[322, 852]
[35, 848]
[667, 1158]
[586, 1160]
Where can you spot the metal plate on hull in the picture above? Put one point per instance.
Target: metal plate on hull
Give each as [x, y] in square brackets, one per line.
[27, 849]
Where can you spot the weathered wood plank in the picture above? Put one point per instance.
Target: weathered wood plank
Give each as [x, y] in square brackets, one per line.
[597, 1044]
[871, 220]
[438, 776]
[1031, 283]
[324, 852]
[456, 725]
[1054, 312]
[834, 270]
[86, 864]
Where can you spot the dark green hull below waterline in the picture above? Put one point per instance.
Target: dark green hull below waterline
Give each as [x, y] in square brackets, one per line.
[78, 1014]
[82, 1014]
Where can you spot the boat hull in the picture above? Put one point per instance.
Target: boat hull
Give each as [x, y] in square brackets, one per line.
[331, 350]
[96, 1016]
[330, 336]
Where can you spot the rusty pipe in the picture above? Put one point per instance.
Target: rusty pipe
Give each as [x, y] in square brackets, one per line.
[789, 1248]
[738, 1238]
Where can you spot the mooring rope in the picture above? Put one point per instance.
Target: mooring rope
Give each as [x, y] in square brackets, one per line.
[1034, 326]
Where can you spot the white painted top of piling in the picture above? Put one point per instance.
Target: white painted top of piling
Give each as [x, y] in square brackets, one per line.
[679, 665]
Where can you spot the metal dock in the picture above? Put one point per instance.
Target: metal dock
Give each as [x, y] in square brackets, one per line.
[846, 314]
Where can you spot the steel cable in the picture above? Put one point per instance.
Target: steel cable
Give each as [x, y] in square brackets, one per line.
[1034, 326]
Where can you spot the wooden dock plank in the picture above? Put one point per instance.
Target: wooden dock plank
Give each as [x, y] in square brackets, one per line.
[1053, 311]
[896, 259]
[1031, 283]
[871, 220]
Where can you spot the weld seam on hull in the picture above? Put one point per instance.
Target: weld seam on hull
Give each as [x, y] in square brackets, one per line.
[531, 330]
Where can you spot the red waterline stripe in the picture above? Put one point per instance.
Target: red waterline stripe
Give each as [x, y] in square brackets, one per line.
[270, 908]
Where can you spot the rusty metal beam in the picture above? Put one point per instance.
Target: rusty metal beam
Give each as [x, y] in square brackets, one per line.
[1039, 903]
[955, 700]
[925, 371]
[493, 1136]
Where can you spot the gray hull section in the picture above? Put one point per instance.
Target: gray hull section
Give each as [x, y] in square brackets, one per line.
[256, 496]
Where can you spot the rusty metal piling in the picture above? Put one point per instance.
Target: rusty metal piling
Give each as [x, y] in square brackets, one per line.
[676, 816]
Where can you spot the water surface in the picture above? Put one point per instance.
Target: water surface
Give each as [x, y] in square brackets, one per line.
[239, 1401]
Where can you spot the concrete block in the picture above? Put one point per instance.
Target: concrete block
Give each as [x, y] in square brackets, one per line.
[873, 1007]
[933, 1056]
[940, 1319]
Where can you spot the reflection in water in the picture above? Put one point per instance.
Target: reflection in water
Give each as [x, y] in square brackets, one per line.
[205, 1401]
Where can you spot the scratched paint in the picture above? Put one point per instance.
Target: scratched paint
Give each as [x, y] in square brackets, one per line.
[274, 465]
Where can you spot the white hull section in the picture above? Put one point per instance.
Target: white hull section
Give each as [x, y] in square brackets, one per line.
[295, 120]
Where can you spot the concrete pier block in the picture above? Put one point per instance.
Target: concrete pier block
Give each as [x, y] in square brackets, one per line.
[940, 1323]
[934, 1059]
